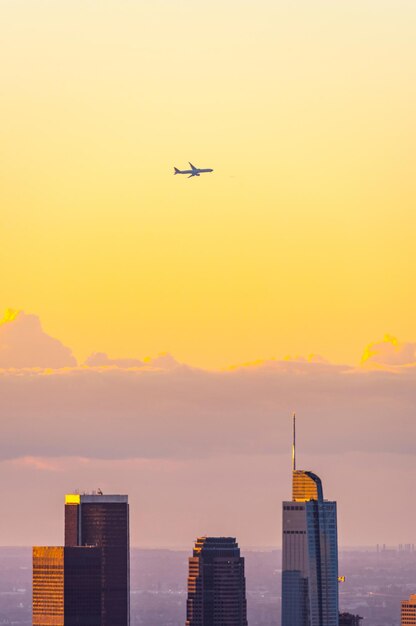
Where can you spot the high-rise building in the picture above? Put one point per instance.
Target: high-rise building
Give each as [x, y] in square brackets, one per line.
[66, 586]
[216, 584]
[310, 553]
[408, 611]
[348, 619]
[103, 521]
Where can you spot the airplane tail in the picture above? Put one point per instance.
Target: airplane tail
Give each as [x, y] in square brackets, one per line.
[176, 170]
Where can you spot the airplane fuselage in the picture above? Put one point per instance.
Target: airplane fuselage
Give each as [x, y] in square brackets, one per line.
[194, 171]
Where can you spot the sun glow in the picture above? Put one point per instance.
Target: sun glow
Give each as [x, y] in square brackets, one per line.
[9, 316]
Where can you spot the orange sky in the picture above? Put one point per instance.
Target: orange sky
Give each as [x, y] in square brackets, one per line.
[301, 241]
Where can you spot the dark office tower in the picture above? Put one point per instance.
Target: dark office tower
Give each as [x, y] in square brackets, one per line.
[103, 521]
[310, 554]
[348, 619]
[216, 584]
[66, 586]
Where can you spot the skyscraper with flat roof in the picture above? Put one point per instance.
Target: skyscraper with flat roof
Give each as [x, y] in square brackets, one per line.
[310, 553]
[216, 584]
[408, 611]
[102, 521]
[66, 586]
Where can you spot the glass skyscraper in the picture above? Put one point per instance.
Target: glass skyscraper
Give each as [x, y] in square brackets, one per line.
[87, 581]
[66, 586]
[216, 584]
[102, 521]
[310, 555]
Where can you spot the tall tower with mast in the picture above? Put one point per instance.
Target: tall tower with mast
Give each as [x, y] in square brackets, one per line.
[310, 552]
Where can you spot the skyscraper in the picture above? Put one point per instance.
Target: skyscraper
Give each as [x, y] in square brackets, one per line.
[408, 611]
[348, 619]
[216, 584]
[310, 553]
[103, 521]
[66, 586]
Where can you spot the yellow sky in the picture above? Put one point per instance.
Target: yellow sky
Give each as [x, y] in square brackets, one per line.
[301, 241]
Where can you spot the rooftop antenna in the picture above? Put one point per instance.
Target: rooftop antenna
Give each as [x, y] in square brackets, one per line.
[294, 443]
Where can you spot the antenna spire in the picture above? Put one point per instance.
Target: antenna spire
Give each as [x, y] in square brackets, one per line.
[294, 443]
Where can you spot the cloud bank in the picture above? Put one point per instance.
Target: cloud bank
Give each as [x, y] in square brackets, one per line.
[23, 343]
[101, 359]
[165, 433]
[184, 413]
[158, 408]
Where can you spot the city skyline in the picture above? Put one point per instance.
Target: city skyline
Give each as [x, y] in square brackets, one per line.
[158, 333]
[146, 313]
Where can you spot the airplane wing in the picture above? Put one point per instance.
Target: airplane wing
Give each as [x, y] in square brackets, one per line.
[193, 166]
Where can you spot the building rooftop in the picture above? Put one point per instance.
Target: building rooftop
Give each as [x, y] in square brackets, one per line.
[411, 600]
[82, 498]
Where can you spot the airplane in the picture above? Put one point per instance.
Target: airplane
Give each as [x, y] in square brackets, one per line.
[195, 171]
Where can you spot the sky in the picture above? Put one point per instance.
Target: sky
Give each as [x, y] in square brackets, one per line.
[301, 242]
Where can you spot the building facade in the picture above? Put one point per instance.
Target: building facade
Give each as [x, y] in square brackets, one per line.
[216, 584]
[309, 555]
[102, 521]
[66, 586]
[408, 611]
[348, 619]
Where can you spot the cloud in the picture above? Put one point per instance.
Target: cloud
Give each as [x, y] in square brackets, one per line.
[390, 351]
[101, 359]
[163, 431]
[37, 463]
[164, 361]
[160, 409]
[185, 413]
[288, 363]
[24, 344]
